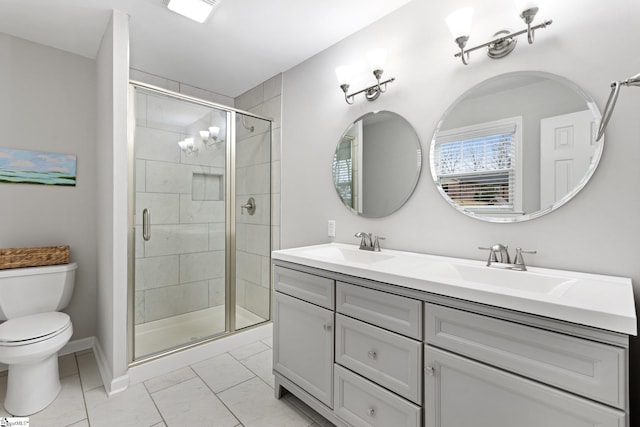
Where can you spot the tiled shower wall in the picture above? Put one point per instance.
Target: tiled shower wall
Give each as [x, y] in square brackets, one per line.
[254, 166]
[253, 170]
[181, 269]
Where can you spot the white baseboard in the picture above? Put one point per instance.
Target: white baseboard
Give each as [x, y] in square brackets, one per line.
[78, 345]
[111, 385]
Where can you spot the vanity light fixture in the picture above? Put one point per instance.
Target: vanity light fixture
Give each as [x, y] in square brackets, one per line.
[197, 10]
[210, 137]
[344, 73]
[188, 146]
[611, 102]
[504, 41]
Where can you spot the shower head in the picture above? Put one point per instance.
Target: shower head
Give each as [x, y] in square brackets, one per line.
[632, 81]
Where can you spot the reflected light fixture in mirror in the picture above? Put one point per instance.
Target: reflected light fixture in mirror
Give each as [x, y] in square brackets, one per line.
[210, 137]
[504, 41]
[516, 146]
[188, 146]
[345, 74]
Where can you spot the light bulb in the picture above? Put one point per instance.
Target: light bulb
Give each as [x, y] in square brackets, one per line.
[344, 73]
[182, 144]
[204, 135]
[189, 142]
[459, 22]
[522, 5]
[377, 59]
[214, 131]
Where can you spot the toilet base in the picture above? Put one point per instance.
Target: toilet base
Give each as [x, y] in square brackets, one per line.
[32, 387]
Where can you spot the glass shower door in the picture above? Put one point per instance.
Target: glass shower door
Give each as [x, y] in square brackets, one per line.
[181, 223]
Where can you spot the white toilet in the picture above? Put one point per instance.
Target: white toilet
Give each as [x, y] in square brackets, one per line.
[33, 333]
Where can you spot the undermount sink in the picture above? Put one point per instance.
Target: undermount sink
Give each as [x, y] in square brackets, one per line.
[348, 254]
[522, 281]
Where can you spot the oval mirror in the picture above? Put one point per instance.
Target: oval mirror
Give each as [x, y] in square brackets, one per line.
[377, 164]
[516, 146]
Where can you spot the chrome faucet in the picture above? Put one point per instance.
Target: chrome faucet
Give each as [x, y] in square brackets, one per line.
[369, 243]
[505, 259]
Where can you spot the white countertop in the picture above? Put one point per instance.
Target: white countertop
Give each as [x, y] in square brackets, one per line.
[604, 302]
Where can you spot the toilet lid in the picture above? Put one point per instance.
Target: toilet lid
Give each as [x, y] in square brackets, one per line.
[28, 328]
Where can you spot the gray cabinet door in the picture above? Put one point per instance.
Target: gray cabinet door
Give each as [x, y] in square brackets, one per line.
[460, 392]
[303, 345]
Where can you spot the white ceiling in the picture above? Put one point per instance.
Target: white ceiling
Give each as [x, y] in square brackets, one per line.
[243, 43]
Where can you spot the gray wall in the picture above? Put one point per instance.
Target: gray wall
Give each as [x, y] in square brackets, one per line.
[48, 104]
[598, 231]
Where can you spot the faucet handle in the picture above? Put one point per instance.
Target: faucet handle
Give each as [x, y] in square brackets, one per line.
[376, 243]
[519, 260]
[492, 254]
[365, 242]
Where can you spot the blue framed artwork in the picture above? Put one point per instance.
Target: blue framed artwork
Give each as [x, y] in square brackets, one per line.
[35, 167]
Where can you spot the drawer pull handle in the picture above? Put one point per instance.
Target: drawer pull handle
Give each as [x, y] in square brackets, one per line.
[326, 327]
[371, 412]
[373, 355]
[429, 370]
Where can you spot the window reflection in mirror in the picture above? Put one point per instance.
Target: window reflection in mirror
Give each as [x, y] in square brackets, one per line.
[376, 164]
[516, 146]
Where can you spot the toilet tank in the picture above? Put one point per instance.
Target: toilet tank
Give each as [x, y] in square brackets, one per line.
[32, 290]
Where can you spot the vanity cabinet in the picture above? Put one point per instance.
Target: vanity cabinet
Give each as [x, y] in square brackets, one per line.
[367, 353]
[303, 332]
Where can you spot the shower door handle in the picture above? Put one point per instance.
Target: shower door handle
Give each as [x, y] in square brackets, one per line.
[146, 224]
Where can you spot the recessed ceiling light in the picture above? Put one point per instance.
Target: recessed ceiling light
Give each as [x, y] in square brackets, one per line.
[198, 10]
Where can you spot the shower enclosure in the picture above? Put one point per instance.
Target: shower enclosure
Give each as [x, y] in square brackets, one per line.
[200, 221]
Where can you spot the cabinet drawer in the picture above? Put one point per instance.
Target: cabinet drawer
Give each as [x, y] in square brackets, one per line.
[391, 360]
[592, 369]
[395, 313]
[314, 289]
[461, 392]
[361, 403]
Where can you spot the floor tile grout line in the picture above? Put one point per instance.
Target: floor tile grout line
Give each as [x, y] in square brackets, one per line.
[170, 385]
[84, 398]
[216, 394]
[254, 354]
[156, 406]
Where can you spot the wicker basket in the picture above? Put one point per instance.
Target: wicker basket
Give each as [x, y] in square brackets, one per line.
[33, 257]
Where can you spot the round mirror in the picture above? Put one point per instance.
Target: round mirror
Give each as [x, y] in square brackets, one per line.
[516, 147]
[377, 164]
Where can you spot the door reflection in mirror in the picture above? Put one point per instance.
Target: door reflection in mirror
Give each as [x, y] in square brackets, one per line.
[553, 151]
[376, 164]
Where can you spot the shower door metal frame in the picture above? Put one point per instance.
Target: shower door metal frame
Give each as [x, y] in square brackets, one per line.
[230, 226]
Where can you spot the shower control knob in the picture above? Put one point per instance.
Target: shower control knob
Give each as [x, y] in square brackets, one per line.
[250, 206]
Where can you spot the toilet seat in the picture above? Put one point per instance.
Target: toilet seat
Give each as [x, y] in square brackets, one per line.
[31, 329]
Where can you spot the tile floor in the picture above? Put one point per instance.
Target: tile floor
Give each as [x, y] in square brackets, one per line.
[232, 389]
